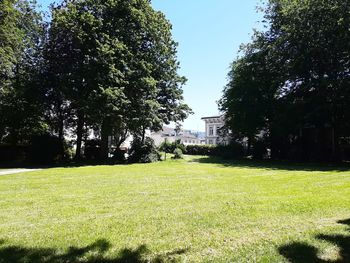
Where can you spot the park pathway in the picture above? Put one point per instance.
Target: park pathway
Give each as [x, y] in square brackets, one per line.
[15, 171]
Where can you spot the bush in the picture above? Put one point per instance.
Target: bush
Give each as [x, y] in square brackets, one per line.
[231, 151]
[178, 144]
[13, 153]
[69, 151]
[119, 155]
[169, 147]
[143, 152]
[178, 154]
[199, 149]
[166, 146]
[259, 150]
[92, 149]
[45, 149]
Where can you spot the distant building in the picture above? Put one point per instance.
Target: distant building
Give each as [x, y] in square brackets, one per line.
[213, 130]
[186, 137]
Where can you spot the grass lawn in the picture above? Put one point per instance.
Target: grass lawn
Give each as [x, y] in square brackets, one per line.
[193, 210]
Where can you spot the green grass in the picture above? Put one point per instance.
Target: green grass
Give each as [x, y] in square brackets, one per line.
[193, 210]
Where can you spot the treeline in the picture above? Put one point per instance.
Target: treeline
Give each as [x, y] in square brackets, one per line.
[107, 66]
[230, 151]
[289, 90]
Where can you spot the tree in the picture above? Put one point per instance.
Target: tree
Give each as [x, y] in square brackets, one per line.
[248, 98]
[113, 68]
[315, 38]
[70, 54]
[154, 87]
[10, 40]
[21, 33]
[293, 77]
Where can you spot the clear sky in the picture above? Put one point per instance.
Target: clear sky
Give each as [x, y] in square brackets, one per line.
[209, 33]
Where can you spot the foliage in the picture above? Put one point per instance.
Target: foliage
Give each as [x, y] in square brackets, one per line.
[169, 147]
[44, 149]
[230, 151]
[199, 149]
[143, 152]
[166, 146]
[12, 34]
[259, 150]
[108, 66]
[13, 154]
[178, 154]
[119, 155]
[292, 80]
[21, 97]
[92, 149]
[114, 64]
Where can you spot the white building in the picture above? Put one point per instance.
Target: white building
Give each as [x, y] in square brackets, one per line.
[169, 134]
[213, 133]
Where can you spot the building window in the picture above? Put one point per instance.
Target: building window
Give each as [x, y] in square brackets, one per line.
[211, 131]
[210, 141]
[218, 130]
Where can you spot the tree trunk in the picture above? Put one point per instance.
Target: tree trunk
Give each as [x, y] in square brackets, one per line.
[80, 130]
[105, 133]
[13, 137]
[143, 135]
[335, 146]
[249, 146]
[121, 138]
[61, 133]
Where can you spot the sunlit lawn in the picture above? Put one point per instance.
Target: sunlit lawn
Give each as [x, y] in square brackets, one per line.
[194, 210]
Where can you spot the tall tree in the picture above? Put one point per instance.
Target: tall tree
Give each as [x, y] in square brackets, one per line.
[21, 33]
[248, 98]
[114, 62]
[305, 76]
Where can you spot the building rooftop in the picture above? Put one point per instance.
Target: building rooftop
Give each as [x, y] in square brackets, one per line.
[212, 117]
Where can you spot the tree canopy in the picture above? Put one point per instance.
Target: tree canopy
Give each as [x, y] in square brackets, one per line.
[107, 66]
[292, 81]
[21, 40]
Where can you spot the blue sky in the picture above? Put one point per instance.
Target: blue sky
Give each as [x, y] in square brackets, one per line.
[209, 34]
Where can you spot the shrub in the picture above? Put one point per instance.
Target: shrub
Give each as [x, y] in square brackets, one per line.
[169, 147]
[259, 150]
[166, 146]
[178, 144]
[232, 151]
[13, 153]
[178, 154]
[143, 152]
[92, 149]
[199, 149]
[45, 149]
[69, 151]
[119, 155]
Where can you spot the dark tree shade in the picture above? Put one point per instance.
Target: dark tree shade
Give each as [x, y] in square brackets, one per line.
[292, 82]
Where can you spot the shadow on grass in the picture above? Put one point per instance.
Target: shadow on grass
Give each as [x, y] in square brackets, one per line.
[298, 252]
[94, 253]
[273, 165]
